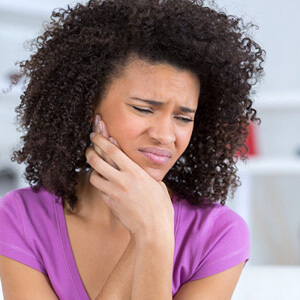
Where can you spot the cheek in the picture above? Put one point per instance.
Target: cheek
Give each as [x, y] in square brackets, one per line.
[125, 129]
[184, 138]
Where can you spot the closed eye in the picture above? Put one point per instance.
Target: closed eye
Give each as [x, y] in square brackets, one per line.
[144, 111]
[147, 111]
[185, 120]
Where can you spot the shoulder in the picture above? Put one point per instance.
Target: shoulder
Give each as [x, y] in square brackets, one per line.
[26, 197]
[207, 220]
[27, 206]
[212, 238]
[27, 223]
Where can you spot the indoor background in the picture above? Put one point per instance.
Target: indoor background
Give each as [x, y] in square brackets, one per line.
[269, 198]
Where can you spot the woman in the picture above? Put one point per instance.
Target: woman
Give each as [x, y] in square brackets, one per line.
[133, 114]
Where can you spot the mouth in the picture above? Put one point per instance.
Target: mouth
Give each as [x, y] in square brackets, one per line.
[155, 158]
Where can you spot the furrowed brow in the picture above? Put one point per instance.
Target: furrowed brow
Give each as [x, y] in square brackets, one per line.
[157, 103]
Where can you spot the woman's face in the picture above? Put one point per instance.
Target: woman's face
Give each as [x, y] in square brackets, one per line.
[162, 126]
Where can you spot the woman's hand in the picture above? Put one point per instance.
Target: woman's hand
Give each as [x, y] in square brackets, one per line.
[101, 128]
[140, 202]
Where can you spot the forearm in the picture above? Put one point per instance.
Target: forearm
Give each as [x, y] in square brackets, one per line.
[153, 268]
[118, 285]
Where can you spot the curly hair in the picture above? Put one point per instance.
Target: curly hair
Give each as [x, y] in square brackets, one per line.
[83, 48]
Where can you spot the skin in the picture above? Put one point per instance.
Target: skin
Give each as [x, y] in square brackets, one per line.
[145, 268]
[130, 184]
[133, 129]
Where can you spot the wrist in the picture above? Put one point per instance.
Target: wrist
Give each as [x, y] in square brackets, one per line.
[154, 238]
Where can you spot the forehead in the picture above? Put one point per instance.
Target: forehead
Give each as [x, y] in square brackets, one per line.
[160, 73]
[162, 82]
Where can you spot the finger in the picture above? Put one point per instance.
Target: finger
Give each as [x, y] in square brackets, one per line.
[104, 132]
[102, 128]
[116, 154]
[101, 166]
[99, 127]
[94, 148]
[98, 150]
[106, 157]
[114, 142]
[108, 190]
[100, 183]
[107, 134]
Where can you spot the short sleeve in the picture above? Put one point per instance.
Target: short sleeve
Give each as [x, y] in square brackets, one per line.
[13, 240]
[227, 244]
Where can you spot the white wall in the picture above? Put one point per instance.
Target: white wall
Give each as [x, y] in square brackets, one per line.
[269, 197]
[279, 25]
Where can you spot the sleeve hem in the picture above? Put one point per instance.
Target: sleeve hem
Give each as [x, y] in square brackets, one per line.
[221, 266]
[22, 257]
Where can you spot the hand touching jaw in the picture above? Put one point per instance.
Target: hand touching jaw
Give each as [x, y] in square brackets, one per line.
[151, 106]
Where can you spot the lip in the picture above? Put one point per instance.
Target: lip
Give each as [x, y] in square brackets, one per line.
[154, 158]
[157, 151]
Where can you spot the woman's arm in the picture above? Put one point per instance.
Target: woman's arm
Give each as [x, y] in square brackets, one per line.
[143, 271]
[216, 287]
[20, 281]
[144, 206]
[153, 266]
[119, 283]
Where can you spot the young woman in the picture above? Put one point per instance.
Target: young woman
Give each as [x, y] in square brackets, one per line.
[133, 114]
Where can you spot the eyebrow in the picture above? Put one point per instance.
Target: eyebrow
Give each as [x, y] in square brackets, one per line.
[156, 103]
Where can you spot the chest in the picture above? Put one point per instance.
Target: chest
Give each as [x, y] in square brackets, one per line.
[96, 252]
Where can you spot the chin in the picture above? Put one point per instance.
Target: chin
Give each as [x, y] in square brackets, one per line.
[156, 174]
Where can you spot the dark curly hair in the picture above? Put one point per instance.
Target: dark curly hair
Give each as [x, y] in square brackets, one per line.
[83, 48]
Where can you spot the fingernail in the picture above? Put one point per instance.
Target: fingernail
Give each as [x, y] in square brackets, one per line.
[99, 128]
[92, 134]
[114, 141]
[96, 120]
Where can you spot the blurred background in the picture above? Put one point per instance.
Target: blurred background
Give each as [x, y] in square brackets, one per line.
[269, 198]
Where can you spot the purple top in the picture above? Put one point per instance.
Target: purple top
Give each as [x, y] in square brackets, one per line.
[33, 231]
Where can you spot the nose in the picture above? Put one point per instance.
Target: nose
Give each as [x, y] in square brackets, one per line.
[162, 131]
